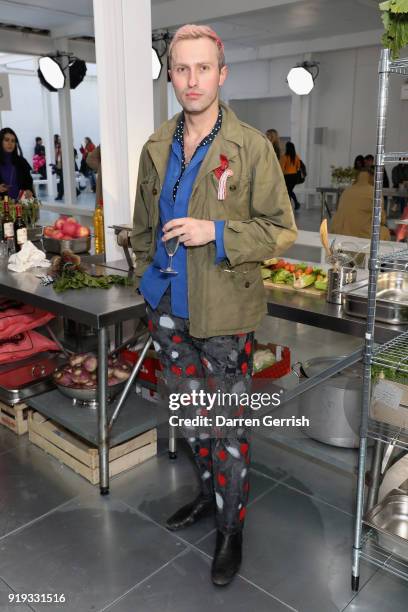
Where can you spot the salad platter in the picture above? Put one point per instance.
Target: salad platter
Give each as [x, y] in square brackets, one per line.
[281, 274]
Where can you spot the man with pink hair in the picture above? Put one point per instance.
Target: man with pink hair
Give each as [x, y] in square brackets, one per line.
[211, 187]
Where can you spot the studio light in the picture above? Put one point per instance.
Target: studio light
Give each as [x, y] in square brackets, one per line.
[301, 78]
[51, 71]
[156, 64]
[51, 74]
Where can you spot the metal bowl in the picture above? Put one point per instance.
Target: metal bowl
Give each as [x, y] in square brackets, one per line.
[89, 395]
[76, 245]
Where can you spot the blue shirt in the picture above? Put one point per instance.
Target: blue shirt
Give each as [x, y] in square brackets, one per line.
[173, 204]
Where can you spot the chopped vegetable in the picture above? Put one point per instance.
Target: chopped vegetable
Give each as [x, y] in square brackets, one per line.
[304, 281]
[263, 358]
[321, 284]
[266, 273]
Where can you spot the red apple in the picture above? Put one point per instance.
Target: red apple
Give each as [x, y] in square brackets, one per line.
[60, 222]
[82, 231]
[69, 228]
[48, 231]
[71, 220]
[57, 234]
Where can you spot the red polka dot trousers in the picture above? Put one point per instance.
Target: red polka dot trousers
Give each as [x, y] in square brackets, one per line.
[220, 366]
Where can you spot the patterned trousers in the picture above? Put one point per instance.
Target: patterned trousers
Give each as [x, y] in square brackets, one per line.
[216, 365]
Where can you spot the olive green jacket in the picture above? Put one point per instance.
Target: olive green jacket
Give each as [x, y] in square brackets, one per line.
[227, 298]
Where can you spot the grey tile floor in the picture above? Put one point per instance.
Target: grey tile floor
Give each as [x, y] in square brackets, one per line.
[58, 535]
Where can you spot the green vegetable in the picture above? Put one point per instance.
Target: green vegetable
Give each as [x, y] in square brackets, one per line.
[393, 374]
[321, 285]
[281, 276]
[76, 279]
[304, 281]
[266, 273]
[395, 20]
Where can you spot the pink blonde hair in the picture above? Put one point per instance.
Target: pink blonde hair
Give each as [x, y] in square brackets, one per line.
[192, 32]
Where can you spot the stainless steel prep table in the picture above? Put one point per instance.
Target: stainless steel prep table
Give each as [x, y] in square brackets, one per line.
[97, 308]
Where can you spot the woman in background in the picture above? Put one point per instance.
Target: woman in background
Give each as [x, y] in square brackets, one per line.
[290, 164]
[15, 171]
[274, 137]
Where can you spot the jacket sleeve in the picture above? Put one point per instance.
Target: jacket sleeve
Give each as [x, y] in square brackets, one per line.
[141, 235]
[271, 228]
[26, 178]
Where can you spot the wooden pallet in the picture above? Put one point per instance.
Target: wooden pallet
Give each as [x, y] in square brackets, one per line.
[14, 417]
[83, 458]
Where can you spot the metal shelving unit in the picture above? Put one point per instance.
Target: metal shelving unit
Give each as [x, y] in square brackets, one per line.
[392, 355]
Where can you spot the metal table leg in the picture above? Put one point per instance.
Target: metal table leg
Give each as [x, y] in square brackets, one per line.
[172, 442]
[118, 334]
[103, 446]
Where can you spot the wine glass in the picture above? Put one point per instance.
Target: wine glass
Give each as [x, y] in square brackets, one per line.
[171, 247]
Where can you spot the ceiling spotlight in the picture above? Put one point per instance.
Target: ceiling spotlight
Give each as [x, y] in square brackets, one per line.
[301, 78]
[51, 74]
[156, 64]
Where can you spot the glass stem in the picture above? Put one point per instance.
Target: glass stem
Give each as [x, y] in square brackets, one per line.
[170, 262]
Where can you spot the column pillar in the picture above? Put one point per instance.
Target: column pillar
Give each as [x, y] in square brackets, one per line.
[67, 139]
[48, 140]
[124, 66]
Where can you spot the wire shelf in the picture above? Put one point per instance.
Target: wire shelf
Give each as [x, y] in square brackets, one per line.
[374, 553]
[399, 66]
[393, 355]
[395, 158]
[388, 434]
[397, 260]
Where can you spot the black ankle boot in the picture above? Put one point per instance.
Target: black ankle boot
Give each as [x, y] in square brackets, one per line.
[190, 513]
[227, 557]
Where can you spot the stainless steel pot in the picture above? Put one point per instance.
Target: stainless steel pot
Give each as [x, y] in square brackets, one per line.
[333, 407]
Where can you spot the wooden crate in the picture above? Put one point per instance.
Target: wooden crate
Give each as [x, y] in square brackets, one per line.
[14, 417]
[83, 458]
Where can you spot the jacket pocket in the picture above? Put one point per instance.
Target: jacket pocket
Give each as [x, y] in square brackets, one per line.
[237, 199]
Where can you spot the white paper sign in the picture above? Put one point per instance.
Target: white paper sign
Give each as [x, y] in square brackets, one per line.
[388, 394]
[5, 102]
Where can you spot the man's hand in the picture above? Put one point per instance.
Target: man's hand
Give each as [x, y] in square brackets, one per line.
[3, 187]
[192, 232]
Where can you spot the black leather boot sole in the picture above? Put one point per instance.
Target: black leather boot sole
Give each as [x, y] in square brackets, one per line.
[190, 513]
[227, 557]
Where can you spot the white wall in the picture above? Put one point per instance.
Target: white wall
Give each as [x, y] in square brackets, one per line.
[26, 117]
[265, 113]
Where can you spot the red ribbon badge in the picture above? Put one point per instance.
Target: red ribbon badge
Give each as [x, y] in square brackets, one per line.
[222, 167]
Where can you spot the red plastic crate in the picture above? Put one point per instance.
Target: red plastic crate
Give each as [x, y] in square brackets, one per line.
[279, 368]
[150, 366]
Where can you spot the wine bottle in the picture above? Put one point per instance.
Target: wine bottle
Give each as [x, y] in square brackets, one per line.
[20, 229]
[8, 226]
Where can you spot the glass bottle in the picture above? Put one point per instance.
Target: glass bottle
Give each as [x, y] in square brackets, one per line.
[99, 229]
[8, 226]
[20, 228]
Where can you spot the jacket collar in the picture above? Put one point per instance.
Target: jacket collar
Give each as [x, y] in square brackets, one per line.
[229, 138]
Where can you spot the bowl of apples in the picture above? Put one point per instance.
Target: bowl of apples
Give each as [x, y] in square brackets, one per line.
[66, 233]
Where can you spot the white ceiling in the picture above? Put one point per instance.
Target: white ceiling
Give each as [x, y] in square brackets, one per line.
[295, 21]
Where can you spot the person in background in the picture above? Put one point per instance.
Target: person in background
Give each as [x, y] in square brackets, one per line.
[58, 167]
[290, 164]
[94, 162]
[274, 137]
[15, 171]
[399, 177]
[369, 163]
[84, 167]
[359, 162]
[354, 213]
[39, 161]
